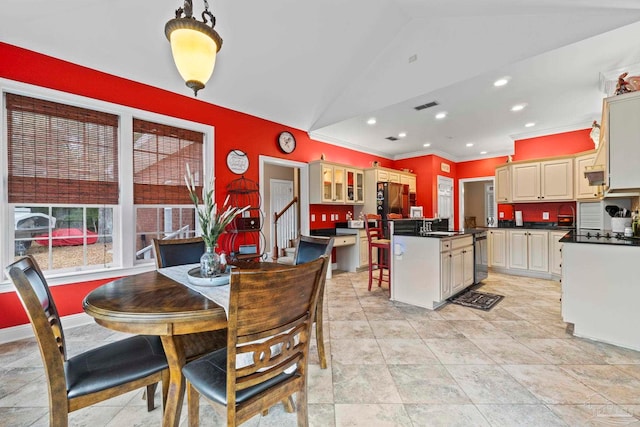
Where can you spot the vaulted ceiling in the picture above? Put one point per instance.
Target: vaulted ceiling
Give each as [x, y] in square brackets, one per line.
[327, 66]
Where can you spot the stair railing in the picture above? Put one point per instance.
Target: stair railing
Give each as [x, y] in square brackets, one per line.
[276, 217]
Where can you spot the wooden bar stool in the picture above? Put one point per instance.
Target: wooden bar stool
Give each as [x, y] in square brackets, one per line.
[375, 238]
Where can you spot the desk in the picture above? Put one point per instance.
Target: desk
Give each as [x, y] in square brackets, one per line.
[153, 304]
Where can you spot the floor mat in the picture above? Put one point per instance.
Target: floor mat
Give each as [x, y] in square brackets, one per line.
[474, 299]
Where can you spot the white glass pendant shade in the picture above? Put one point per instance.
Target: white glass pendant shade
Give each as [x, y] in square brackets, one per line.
[194, 54]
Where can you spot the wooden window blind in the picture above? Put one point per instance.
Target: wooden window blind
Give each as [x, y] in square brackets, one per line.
[60, 153]
[160, 156]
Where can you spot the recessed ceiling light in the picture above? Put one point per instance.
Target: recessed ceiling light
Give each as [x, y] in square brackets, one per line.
[402, 134]
[428, 144]
[483, 152]
[529, 125]
[501, 82]
[469, 144]
[441, 115]
[371, 121]
[518, 107]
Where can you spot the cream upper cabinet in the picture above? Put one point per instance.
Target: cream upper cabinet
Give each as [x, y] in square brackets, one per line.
[329, 183]
[393, 177]
[355, 186]
[409, 180]
[548, 180]
[503, 184]
[582, 188]
[624, 141]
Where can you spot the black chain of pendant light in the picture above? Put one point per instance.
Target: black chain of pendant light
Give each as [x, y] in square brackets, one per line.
[189, 22]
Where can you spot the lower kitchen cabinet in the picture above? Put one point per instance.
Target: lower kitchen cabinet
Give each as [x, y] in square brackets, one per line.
[555, 252]
[528, 250]
[497, 248]
[428, 270]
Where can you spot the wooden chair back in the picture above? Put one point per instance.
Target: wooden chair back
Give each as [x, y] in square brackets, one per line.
[172, 252]
[265, 362]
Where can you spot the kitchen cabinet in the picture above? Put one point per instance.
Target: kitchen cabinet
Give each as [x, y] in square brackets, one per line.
[361, 260]
[528, 250]
[497, 248]
[503, 184]
[332, 183]
[548, 180]
[428, 270]
[555, 252]
[379, 174]
[623, 130]
[355, 186]
[584, 191]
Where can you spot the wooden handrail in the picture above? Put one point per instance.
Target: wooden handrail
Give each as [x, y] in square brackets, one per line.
[276, 217]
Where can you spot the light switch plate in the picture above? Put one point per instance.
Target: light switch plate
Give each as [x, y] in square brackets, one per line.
[501, 215]
[313, 217]
[324, 217]
[545, 215]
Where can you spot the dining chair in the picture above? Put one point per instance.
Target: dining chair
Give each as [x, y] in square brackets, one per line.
[309, 248]
[95, 375]
[266, 359]
[376, 240]
[173, 252]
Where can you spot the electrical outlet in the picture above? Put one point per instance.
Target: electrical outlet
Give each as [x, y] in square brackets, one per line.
[313, 217]
[324, 217]
[545, 215]
[501, 215]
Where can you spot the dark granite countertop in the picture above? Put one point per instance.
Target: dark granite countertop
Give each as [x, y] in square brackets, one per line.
[599, 238]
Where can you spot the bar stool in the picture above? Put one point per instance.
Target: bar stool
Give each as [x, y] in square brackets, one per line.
[375, 238]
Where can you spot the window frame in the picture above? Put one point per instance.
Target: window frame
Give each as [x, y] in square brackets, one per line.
[124, 248]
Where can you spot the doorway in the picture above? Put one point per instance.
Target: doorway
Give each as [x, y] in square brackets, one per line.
[477, 201]
[281, 194]
[445, 199]
[298, 172]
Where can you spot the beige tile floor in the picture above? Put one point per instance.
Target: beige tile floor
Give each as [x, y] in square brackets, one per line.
[398, 365]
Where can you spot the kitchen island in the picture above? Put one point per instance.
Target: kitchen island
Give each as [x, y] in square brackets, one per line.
[601, 287]
[430, 266]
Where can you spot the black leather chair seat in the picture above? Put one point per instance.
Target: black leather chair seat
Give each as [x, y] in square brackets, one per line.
[114, 364]
[208, 375]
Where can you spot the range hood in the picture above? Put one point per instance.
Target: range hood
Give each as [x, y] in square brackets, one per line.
[595, 175]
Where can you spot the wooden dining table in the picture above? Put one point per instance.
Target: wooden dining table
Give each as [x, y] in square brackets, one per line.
[152, 304]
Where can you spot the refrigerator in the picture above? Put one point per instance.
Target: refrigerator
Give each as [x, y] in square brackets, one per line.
[392, 197]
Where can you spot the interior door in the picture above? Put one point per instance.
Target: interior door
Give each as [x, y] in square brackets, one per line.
[445, 199]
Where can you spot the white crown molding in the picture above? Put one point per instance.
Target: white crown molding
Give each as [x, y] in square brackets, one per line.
[552, 131]
[421, 153]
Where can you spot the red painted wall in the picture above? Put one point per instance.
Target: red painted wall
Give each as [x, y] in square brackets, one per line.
[559, 144]
[327, 210]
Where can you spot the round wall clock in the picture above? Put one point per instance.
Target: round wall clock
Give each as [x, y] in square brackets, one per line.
[286, 142]
[237, 161]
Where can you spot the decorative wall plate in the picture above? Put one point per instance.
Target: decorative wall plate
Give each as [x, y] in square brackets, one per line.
[237, 161]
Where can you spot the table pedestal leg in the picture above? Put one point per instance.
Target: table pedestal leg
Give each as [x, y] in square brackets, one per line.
[174, 352]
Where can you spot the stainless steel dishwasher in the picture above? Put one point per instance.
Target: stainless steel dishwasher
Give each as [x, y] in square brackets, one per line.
[481, 269]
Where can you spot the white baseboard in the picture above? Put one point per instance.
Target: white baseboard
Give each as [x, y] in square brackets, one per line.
[20, 332]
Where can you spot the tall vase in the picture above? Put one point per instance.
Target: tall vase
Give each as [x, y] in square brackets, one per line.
[210, 263]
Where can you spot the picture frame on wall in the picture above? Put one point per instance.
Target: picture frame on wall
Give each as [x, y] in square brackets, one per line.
[416, 212]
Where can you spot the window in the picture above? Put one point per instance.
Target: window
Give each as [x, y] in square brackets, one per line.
[163, 207]
[77, 174]
[63, 178]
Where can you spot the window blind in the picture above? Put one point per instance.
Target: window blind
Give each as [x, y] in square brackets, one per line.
[160, 156]
[60, 153]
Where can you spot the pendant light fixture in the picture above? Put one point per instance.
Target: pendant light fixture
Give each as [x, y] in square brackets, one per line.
[194, 44]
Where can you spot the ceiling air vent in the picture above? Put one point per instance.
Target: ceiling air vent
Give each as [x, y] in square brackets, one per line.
[425, 106]
[391, 138]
